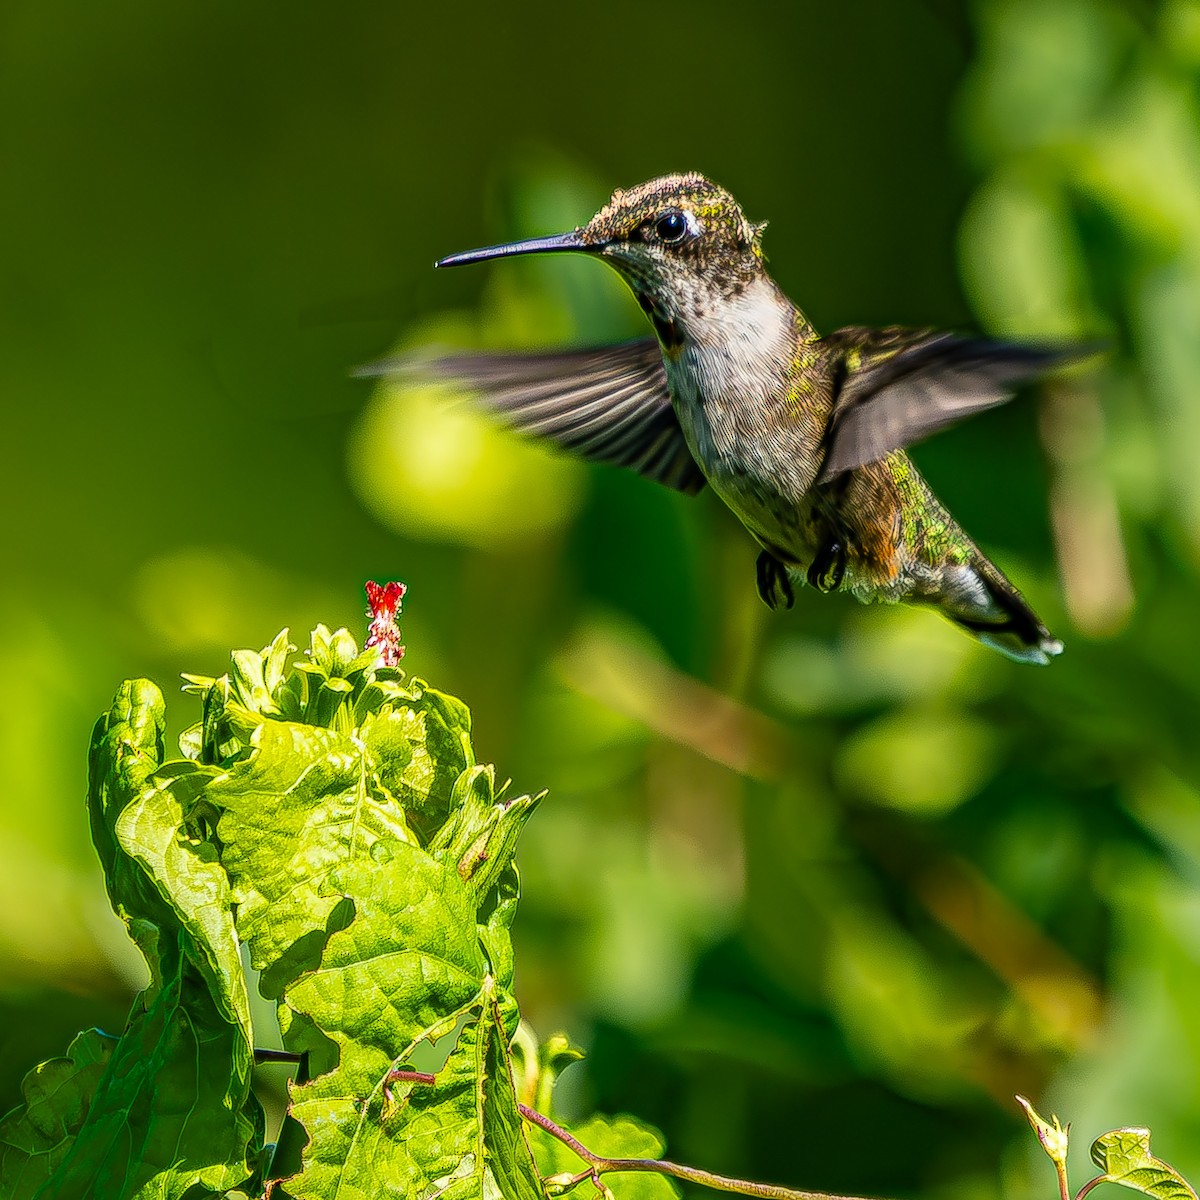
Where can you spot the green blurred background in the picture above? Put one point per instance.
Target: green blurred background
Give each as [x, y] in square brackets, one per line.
[818, 890]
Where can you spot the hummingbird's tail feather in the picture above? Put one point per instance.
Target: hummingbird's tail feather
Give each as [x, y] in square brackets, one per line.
[985, 604]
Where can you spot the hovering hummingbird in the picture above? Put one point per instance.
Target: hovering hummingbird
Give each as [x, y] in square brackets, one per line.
[800, 435]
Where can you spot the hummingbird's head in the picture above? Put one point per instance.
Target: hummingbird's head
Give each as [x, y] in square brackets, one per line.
[681, 242]
[676, 234]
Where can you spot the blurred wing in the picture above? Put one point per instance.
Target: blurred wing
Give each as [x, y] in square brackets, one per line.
[901, 385]
[609, 405]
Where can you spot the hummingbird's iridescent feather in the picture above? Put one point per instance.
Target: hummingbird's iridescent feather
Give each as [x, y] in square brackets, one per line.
[800, 435]
[901, 385]
[923, 556]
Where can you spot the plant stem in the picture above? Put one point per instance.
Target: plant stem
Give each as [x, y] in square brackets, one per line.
[1091, 1183]
[721, 1183]
[275, 1056]
[398, 1076]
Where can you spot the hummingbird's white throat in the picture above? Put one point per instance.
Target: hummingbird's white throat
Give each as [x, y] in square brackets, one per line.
[740, 346]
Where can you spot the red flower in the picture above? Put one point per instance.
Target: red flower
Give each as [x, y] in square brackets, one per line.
[384, 632]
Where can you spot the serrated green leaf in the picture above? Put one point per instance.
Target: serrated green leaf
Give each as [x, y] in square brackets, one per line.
[172, 1108]
[407, 970]
[306, 802]
[166, 1114]
[184, 866]
[1124, 1157]
[126, 750]
[35, 1137]
[609, 1137]
[423, 744]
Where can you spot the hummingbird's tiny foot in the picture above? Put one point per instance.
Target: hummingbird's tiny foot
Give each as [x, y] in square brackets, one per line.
[826, 570]
[774, 586]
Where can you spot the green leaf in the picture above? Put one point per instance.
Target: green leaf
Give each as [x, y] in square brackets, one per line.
[505, 1142]
[421, 740]
[183, 865]
[495, 920]
[126, 750]
[610, 1137]
[305, 803]
[172, 1107]
[408, 969]
[1124, 1157]
[36, 1137]
[148, 1118]
[423, 745]
[159, 865]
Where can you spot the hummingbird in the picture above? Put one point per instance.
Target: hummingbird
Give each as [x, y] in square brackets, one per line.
[801, 435]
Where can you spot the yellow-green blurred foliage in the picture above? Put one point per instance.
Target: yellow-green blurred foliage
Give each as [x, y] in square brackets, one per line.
[839, 867]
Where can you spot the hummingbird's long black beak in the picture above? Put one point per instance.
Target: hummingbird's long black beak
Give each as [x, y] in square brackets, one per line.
[542, 245]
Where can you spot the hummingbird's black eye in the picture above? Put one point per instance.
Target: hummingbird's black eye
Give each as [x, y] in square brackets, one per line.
[672, 226]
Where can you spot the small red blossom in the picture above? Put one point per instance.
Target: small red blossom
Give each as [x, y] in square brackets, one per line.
[384, 633]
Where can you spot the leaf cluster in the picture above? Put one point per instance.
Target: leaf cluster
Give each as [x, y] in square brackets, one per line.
[326, 835]
[327, 828]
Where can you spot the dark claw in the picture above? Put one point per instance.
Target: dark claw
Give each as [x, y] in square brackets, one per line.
[774, 586]
[828, 567]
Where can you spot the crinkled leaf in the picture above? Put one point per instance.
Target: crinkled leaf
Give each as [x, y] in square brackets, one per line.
[422, 747]
[173, 1106]
[610, 1137]
[504, 1135]
[305, 803]
[35, 1137]
[126, 750]
[407, 969]
[1124, 1157]
[160, 867]
[155, 829]
[167, 1113]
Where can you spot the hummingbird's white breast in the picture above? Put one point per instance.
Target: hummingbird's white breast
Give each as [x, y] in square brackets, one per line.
[730, 385]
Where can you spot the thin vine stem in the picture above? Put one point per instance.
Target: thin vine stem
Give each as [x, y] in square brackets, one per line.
[599, 1165]
[723, 1183]
[1091, 1183]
